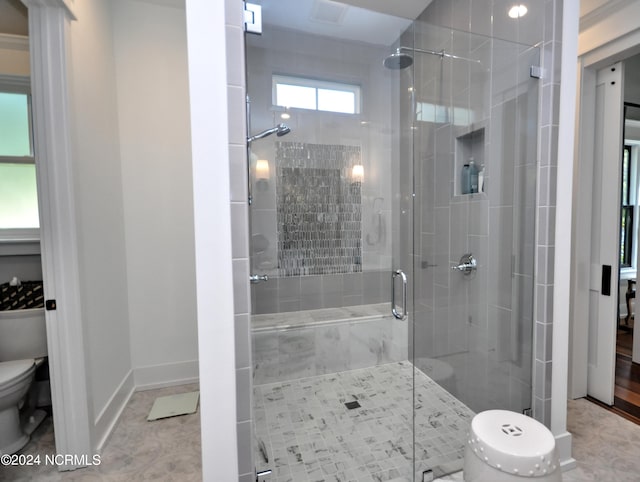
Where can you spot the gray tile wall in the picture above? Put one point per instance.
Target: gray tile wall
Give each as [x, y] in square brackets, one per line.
[299, 293]
[546, 208]
[240, 234]
[284, 51]
[517, 218]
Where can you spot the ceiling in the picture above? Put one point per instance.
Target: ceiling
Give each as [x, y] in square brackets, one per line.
[13, 18]
[380, 24]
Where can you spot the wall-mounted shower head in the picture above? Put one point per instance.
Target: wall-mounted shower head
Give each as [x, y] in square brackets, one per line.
[398, 60]
[283, 130]
[279, 130]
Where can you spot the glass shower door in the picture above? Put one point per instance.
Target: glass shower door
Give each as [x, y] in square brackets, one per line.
[475, 135]
[332, 381]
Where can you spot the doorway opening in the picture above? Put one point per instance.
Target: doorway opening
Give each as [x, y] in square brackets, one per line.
[627, 371]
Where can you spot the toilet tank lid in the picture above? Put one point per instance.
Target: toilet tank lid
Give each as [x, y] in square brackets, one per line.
[13, 369]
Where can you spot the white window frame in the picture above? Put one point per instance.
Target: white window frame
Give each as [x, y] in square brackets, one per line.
[634, 184]
[316, 84]
[12, 84]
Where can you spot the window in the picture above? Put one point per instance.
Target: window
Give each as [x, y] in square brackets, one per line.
[626, 211]
[441, 114]
[302, 93]
[18, 193]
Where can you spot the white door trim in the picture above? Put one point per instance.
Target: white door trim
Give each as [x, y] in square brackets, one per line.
[589, 62]
[49, 22]
[603, 309]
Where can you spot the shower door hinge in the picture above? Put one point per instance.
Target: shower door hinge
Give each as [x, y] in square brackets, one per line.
[252, 18]
[535, 72]
[260, 476]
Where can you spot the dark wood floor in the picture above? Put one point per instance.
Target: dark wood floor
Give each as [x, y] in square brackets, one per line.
[627, 390]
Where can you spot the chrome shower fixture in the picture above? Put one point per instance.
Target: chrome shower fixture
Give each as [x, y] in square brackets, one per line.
[279, 130]
[401, 60]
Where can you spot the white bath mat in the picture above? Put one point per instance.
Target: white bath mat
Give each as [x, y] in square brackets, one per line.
[174, 405]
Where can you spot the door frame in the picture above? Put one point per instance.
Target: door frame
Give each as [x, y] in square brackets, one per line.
[49, 22]
[603, 312]
[589, 62]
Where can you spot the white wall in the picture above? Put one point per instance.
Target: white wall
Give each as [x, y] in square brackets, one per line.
[99, 208]
[150, 46]
[211, 138]
[14, 55]
[632, 80]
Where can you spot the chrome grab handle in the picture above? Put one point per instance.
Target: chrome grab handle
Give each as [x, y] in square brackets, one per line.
[400, 315]
[256, 278]
[467, 265]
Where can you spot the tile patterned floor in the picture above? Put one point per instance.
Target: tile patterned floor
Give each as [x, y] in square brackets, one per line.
[166, 450]
[605, 445]
[310, 435]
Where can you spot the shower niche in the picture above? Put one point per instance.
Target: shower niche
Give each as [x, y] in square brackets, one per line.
[470, 169]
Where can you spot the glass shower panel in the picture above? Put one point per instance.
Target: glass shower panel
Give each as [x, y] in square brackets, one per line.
[332, 380]
[435, 170]
[475, 137]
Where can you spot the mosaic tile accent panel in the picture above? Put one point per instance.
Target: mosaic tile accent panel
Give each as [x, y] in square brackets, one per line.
[319, 209]
[308, 434]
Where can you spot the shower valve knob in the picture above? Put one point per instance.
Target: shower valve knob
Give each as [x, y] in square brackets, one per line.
[467, 265]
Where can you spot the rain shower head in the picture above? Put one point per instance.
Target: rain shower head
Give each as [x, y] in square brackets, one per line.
[398, 60]
[280, 130]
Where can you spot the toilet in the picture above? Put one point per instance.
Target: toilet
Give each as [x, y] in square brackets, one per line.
[506, 446]
[23, 347]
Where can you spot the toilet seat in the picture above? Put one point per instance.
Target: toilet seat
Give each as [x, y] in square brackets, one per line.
[10, 371]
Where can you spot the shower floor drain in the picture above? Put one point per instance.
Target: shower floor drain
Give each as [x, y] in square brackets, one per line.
[352, 405]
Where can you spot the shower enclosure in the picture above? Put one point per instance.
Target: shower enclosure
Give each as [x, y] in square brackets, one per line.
[392, 239]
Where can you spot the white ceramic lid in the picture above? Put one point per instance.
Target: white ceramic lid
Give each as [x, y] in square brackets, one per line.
[513, 443]
[13, 369]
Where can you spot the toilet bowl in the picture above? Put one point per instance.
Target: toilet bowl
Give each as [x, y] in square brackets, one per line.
[15, 380]
[506, 446]
[23, 346]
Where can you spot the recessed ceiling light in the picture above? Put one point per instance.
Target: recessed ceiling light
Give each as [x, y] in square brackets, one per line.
[518, 11]
[285, 116]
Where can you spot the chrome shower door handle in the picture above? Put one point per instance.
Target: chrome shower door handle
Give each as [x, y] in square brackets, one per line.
[400, 315]
[257, 278]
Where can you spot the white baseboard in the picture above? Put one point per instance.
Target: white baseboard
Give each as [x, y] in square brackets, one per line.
[166, 375]
[138, 379]
[108, 418]
[563, 446]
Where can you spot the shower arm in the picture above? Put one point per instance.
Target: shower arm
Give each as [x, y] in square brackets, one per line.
[440, 54]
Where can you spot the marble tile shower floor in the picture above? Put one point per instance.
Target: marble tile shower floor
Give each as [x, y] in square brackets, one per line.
[308, 434]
